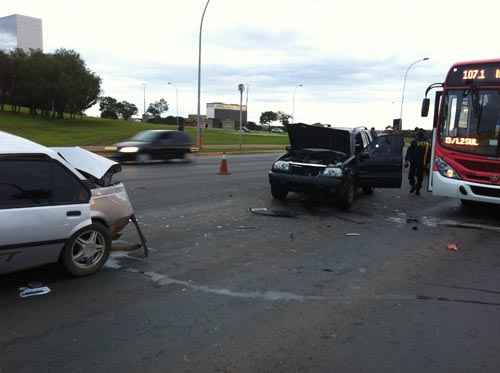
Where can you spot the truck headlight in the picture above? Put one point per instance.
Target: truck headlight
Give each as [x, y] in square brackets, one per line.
[445, 169]
[281, 166]
[129, 149]
[333, 172]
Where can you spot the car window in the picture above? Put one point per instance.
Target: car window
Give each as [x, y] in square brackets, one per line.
[32, 183]
[166, 136]
[67, 189]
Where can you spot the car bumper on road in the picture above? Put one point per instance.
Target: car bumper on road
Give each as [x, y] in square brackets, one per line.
[300, 183]
[443, 186]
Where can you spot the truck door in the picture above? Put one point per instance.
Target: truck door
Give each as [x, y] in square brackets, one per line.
[380, 165]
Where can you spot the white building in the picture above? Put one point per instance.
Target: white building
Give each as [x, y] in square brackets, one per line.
[22, 32]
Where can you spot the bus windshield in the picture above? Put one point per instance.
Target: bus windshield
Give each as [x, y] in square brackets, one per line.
[471, 121]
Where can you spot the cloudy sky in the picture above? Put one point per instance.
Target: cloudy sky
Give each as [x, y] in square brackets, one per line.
[349, 55]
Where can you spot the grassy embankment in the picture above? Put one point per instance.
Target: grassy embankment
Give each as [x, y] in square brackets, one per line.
[102, 132]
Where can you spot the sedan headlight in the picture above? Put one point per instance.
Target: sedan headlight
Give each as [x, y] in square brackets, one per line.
[445, 169]
[333, 172]
[281, 166]
[129, 149]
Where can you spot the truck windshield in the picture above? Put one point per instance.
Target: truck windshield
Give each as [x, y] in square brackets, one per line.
[471, 121]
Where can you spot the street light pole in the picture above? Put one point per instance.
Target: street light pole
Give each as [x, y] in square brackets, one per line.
[246, 105]
[241, 88]
[144, 107]
[199, 129]
[404, 86]
[293, 101]
[177, 106]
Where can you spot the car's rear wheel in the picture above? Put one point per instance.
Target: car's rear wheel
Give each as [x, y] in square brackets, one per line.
[368, 190]
[346, 195]
[87, 250]
[143, 157]
[278, 192]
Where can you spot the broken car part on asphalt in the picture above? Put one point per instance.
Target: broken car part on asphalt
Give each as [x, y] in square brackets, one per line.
[272, 212]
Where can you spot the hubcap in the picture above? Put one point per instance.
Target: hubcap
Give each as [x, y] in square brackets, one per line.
[88, 249]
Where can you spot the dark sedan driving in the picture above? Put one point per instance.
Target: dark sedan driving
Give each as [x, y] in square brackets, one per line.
[153, 145]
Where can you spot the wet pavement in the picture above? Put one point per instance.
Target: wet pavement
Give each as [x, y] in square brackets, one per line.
[226, 290]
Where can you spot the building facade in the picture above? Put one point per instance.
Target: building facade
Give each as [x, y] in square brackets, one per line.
[226, 116]
[17, 31]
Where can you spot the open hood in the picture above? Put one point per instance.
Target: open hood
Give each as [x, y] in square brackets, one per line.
[304, 136]
[88, 163]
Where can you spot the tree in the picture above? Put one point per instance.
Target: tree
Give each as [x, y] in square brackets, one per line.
[156, 109]
[284, 118]
[109, 107]
[268, 117]
[126, 109]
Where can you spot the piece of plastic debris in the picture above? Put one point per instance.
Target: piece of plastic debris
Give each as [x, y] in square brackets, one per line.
[415, 228]
[352, 234]
[219, 227]
[245, 227]
[26, 292]
[452, 247]
[269, 212]
[411, 220]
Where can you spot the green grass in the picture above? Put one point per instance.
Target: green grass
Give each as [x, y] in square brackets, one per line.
[96, 131]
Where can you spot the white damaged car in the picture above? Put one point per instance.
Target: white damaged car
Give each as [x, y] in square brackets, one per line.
[58, 205]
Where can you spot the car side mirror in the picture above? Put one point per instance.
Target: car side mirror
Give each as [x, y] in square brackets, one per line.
[426, 103]
[364, 155]
[358, 148]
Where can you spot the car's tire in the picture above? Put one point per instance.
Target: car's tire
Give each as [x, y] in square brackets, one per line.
[346, 194]
[278, 192]
[87, 250]
[368, 190]
[143, 158]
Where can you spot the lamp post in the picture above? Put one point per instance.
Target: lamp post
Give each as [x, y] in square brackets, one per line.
[404, 86]
[246, 105]
[199, 129]
[144, 107]
[179, 127]
[293, 101]
[241, 88]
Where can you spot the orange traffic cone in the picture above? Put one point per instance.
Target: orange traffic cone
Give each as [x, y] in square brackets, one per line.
[224, 169]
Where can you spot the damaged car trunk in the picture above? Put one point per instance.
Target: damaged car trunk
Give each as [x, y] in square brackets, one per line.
[336, 161]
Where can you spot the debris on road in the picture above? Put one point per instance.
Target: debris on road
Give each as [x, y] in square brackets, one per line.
[412, 220]
[327, 270]
[271, 212]
[452, 247]
[33, 290]
[245, 227]
[456, 224]
[352, 234]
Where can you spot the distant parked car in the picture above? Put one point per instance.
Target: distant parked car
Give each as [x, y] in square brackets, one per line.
[152, 145]
[277, 130]
[57, 205]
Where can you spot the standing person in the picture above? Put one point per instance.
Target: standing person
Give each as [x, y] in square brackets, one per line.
[417, 158]
[373, 133]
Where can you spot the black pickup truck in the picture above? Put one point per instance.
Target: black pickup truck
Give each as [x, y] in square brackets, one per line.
[337, 161]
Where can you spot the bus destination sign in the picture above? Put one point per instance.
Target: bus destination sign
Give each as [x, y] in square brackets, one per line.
[487, 74]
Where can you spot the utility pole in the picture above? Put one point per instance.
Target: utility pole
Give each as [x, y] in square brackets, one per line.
[199, 141]
[241, 88]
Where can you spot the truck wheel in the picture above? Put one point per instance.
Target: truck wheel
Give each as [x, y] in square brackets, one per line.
[278, 192]
[87, 250]
[346, 195]
[368, 190]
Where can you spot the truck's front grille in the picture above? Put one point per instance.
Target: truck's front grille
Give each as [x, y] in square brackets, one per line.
[305, 170]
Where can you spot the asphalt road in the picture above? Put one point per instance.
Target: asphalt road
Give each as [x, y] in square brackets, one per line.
[225, 290]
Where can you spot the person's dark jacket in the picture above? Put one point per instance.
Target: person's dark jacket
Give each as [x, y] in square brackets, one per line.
[418, 152]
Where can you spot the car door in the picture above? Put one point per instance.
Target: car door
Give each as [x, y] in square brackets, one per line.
[42, 204]
[380, 165]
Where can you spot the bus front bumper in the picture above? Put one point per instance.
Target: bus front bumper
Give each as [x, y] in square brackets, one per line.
[466, 190]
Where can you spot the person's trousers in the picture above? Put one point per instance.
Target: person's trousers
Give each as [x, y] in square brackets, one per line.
[416, 176]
